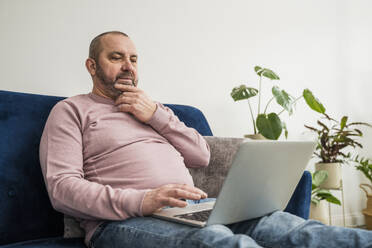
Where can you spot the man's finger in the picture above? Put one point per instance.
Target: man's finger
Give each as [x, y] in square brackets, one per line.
[189, 189]
[127, 100]
[131, 94]
[180, 193]
[124, 87]
[125, 107]
[193, 190]
[173, 202]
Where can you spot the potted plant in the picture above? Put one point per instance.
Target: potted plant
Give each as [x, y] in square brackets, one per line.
[365, 166]
[269, 125]
[333, 138]
[319, 197]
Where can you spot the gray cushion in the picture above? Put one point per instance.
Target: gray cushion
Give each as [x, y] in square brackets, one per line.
[210, 179]
[72, 228]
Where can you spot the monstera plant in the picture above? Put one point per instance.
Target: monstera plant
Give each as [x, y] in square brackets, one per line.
[317, 193]
[319, 196]
[269, 124]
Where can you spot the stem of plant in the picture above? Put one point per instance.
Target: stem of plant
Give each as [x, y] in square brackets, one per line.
[259, 96]
[253, 120]
[298, 98]
[268, 104]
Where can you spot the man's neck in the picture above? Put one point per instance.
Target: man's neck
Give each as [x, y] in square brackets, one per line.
[99, 92]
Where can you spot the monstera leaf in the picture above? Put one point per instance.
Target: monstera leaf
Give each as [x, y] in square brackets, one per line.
[318, 178]
[313, 102]
[243, 92]
[266, 73]
[269, 125]
[283, 99]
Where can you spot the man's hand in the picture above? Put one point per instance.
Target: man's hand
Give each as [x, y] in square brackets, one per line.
[135, 101]
[170, 195]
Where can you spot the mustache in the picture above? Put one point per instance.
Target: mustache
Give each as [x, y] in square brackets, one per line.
[128, 74]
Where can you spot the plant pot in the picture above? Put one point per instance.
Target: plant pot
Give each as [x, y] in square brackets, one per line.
[256, 136]
[319, 212]
[334, 175]
[368, 210]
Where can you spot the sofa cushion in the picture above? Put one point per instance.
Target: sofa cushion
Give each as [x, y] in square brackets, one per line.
[72, 228]
[25, 209]
[58, 242]
[211, 178]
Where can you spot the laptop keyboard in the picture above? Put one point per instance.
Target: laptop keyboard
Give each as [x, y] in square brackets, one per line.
[198, 216]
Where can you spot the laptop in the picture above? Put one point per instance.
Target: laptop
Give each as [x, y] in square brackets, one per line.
[261, 180]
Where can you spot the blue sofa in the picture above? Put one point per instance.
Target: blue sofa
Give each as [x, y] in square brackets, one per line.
[27, 218]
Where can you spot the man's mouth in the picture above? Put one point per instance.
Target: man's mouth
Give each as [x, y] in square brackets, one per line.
[125, 81]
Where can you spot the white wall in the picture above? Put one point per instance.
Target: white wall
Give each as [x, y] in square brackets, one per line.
[194, 52]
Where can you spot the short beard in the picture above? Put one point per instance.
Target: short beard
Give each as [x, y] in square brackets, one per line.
[112, 92]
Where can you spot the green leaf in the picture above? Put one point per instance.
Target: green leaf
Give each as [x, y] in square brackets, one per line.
[333, 199]
[270, 126]
[324, 193]
[258, 70]
[313, 102]
[319, 177]
[315, 201]
[359, 133]
[243, 92]
[284, 126]
[343, 122]
[266, 73]
[283, 99]
[365, 166]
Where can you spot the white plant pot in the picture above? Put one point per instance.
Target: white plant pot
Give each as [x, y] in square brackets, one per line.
[256, 136]
[319, 212]
[368, 210]
[334, 175]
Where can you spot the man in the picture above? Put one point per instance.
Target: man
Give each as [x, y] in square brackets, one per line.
[112, 157]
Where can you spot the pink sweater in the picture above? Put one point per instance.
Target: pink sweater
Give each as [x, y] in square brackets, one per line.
[99, 162]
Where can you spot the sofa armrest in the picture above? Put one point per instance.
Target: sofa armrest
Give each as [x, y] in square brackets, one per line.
[210, 178]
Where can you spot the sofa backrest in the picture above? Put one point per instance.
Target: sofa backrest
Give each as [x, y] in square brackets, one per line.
[25, 209]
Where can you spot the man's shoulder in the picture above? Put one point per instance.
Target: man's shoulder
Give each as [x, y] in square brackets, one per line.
[78, 99]
[75, 101]
[73, 108]
[76, 104]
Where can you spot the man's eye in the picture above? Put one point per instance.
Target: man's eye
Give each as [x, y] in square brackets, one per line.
[115, 58]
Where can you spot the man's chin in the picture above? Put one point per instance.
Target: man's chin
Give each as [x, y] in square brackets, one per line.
[116, 94]
[113, 93]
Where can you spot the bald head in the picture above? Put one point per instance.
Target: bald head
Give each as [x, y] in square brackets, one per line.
[95, 47]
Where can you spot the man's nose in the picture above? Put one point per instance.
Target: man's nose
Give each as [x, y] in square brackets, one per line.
[127, 66]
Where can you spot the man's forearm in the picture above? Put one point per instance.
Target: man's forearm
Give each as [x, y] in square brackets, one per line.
[187, 141]
[88, 200]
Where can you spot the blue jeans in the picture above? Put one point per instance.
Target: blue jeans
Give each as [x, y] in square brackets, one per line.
[278, 229]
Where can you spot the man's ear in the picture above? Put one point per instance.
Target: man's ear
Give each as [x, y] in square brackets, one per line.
[91, 66]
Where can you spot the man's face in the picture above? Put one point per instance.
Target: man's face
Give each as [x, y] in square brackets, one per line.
[117, 63]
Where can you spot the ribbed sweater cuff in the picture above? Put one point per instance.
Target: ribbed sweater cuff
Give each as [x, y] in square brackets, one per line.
[159, 119]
